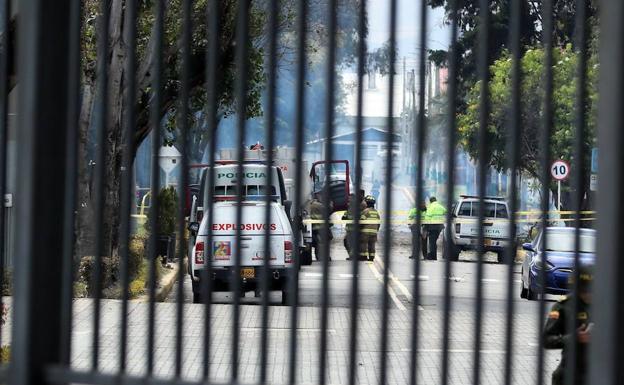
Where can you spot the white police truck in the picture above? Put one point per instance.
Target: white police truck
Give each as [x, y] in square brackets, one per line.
[465, 226]
[223, 248]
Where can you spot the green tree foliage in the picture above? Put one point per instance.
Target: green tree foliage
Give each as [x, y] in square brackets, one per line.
[532, 99]
[500, 23]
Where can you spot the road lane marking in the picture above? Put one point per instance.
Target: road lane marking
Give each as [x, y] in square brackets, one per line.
[312, 275]
[420, 277]
[391, 291]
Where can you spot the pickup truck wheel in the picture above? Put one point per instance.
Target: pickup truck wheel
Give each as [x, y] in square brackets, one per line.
[197, 298]
[500, 256]
[453, 251]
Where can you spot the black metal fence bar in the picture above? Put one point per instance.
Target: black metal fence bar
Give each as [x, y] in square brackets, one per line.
[355, 198]
[325, 231]
[272, 26]
[127, 176]
[387, 245]
[156, 105]
[544, 143]
[242, 66]
[302, 12]
[100, 171]
[41, 141]
[607, 354]
[420, 127]
[451, 128]
[212, 58]
[571, 373]
[184, 176]
[71, 176]
[5, 15]
[484, 112]
[513, 139]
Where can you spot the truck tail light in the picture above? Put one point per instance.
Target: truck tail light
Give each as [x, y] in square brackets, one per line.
[199, 253]
[458, 228]
[288, 252]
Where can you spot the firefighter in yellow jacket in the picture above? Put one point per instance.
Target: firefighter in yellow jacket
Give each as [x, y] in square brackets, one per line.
[369, 230]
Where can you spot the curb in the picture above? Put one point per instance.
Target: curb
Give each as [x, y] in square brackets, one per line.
[165, 285]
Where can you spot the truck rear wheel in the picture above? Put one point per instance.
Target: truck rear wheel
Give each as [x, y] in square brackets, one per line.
[451, 250]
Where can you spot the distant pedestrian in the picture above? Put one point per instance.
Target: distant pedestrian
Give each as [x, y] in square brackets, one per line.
[419, 234]
[434, 219]
[557, 335]
[369, 230]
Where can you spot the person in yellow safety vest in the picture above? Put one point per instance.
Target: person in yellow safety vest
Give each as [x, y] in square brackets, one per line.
[349, 216]
[434, 217]
[317, 211]
[369, 231]
[418, 233]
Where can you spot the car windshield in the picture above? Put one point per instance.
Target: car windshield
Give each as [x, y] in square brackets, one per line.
[564, 241]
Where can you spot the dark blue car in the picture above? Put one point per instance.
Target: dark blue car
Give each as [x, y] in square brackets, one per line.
[558, 263]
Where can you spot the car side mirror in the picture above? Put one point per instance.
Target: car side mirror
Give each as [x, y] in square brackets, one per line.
[193, 227]
[528, 246]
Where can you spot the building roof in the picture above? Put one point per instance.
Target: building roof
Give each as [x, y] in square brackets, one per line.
[370, 134]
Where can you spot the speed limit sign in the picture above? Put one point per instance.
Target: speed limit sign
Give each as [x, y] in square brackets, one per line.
[560, 170]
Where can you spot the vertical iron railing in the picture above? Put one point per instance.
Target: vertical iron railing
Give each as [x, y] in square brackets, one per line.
[47, 136]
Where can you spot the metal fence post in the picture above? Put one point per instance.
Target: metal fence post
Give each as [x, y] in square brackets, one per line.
[43, 72]
[606, 354]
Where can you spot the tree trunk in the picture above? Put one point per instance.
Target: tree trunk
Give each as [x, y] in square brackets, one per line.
[112, 148]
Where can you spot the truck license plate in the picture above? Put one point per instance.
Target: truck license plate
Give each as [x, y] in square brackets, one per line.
[248, 272]
[487, 242]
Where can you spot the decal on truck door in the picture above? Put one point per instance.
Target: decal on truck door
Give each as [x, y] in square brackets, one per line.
[222, 250]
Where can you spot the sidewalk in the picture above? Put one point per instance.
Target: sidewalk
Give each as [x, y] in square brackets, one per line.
[308, 333]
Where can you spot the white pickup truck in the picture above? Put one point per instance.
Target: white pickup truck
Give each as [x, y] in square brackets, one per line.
[465, 226]
[223, 248]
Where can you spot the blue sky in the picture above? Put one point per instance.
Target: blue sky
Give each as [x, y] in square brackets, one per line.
[408, 28]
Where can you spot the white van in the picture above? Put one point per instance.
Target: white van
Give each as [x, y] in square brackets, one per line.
[223, 247]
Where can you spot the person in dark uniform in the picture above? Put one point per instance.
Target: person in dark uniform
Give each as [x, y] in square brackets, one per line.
[557, 335]
[316, 209]
[418, 232]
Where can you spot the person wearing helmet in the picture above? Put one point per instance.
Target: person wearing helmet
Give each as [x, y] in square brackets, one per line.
[557, 335]
[348, 215]
[369, 229]
[316, 209]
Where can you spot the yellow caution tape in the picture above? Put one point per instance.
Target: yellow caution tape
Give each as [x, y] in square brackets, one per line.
[408, 222]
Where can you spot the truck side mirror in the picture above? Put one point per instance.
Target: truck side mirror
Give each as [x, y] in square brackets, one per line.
[528, 246]
[193, 227]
